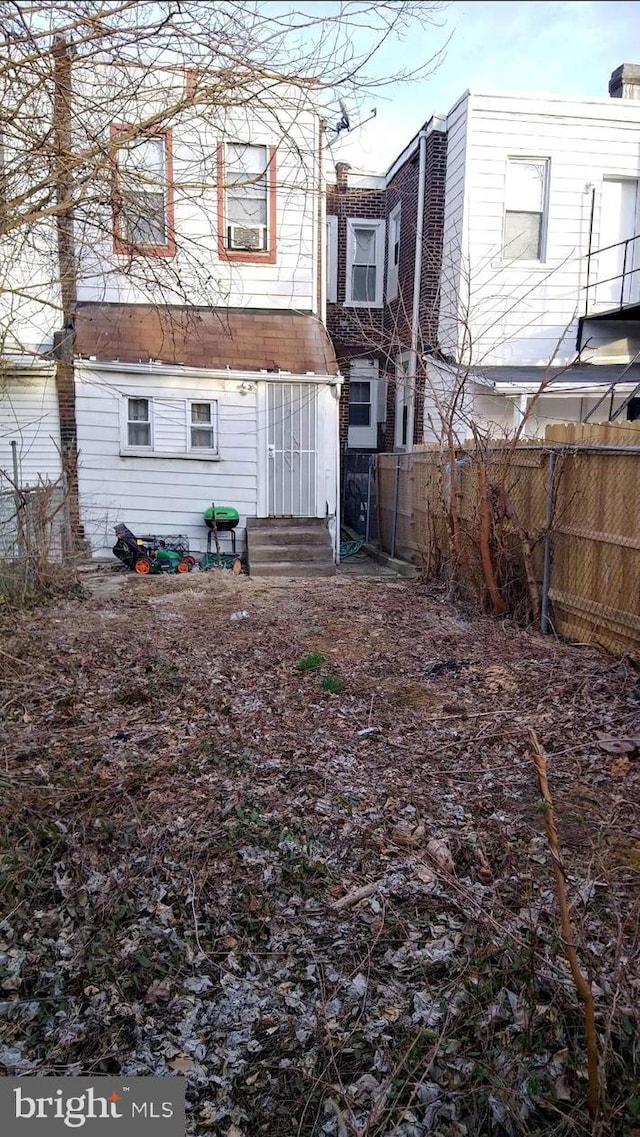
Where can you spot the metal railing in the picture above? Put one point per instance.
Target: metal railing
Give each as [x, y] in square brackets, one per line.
[625, 276]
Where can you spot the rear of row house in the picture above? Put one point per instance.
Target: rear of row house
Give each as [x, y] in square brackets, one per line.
[524, 211]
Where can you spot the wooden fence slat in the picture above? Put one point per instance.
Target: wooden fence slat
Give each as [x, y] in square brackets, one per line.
[595, 578]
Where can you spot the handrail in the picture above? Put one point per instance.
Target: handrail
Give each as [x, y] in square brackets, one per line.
[623, 276]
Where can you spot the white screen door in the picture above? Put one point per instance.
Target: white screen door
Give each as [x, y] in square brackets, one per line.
[403, 400]
[618, 221]
[292, 449]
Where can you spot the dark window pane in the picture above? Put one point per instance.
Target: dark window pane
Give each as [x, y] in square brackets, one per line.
[359, 392]
[364, 284]
[202, 437]
[139, 434]
[139, 410]
[522, 233]
[359, 414]
[143, 219]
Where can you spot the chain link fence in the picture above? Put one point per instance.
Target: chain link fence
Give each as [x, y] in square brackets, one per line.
[359, 495]
[548, 533]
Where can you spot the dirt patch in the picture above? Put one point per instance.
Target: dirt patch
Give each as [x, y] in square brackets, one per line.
[188, 815]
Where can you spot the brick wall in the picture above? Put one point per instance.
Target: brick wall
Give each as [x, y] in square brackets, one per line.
[356, 333]
[382, 333]
[403, 188]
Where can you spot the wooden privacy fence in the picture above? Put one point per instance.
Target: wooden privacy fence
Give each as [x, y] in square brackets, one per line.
[547, 531]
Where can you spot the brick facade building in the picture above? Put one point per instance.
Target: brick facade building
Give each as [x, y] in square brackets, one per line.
[373, 340]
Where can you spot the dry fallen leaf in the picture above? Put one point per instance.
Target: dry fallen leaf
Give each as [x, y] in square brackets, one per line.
[408, 835]
[441, 854]
[619, 768]
[182, 1063]
[391, 1014]
[617, 745]
[425, 874]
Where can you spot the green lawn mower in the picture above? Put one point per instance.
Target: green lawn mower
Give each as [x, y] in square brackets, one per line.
[152, 555]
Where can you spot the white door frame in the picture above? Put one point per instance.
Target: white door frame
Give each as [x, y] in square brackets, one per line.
[327, 453]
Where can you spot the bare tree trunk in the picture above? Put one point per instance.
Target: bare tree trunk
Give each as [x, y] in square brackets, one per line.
[485, 539]
[583, 987]
[64, 341]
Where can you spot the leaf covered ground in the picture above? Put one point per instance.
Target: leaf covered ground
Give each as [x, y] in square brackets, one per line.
[191, 802]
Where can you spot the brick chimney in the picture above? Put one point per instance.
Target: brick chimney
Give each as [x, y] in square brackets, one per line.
[342, 175]
[625, 82]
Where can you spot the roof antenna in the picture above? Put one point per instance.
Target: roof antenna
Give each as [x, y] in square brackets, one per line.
[344, 123]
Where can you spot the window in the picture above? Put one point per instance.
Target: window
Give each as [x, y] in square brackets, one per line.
[364, 397]
[246, 202]
[332, 259]
[365, 263]
[359, 403]
[525, 207]
[143, 195]
[169, 428]
[202, 426]
[138, 422]
[393, 253]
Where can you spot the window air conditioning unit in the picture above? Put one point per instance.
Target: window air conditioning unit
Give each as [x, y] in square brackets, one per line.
[248, 238]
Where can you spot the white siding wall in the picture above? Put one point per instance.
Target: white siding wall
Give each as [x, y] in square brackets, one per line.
[453, 228]
[527, 314]
[280, 117]
[283, 118]
[29, 416]
[160, 494]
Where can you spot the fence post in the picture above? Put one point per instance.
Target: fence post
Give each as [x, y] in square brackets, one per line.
[367, 530]
[17, 497]
[396, 496]
[545, 623]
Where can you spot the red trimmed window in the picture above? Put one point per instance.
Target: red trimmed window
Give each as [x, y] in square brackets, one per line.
[247, 202]
[143, 214]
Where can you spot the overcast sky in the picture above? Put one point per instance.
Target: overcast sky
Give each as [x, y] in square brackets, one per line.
[566, 48]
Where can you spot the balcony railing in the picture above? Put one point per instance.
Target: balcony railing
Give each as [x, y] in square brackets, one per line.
[617, 289]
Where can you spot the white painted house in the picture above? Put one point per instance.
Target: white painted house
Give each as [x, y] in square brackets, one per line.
[541, 257]
[203, 370]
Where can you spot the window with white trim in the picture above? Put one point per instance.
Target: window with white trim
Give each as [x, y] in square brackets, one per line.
[359, 403]
[363, 403]
[332, 259]
[169, 428]
[246, 197]
[139, 422]
[393, 253]
[365, 263]
[525, 209]
[202, 426]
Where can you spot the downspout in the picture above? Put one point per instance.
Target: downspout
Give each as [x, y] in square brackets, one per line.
[417, 280]
[321, 253]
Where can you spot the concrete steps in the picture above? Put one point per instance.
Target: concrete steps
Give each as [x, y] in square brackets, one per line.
[289, 546]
